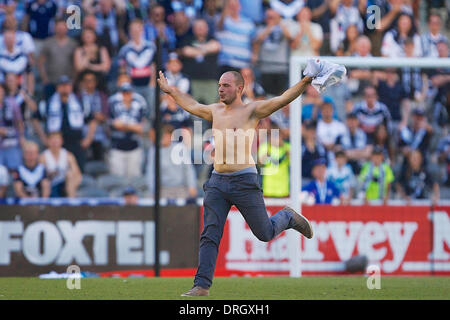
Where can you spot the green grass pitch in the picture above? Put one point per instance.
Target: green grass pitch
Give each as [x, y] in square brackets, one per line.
[274, 288]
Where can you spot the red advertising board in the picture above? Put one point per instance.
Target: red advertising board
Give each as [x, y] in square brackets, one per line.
[400, 240]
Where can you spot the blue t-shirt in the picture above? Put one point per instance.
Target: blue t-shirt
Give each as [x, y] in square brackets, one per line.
[323, 194]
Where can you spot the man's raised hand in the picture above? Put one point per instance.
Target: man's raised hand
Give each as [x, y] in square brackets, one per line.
[163, 84]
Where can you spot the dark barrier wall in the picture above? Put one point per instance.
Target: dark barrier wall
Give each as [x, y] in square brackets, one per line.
[38, 239]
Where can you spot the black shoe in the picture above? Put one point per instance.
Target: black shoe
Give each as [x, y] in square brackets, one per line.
[301, 224]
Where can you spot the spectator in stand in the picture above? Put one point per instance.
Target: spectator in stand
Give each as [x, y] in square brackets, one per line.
[137, 58]
[157, 27]
[273, 158]
[348, 46]
[329, 129]
[322, 12]
[64, 113]
[11, 132]
[341, 173]
[134, 9]
[281, 119]
[443, 157]
[371, 112]
[4, 181]
[39, 21]
[171, 113]
[287, 9]
[94, 102]
[354, 143]
[130, 196]
[56, 58]
[252, 90]
[182, 26]
[127, 110]
[90, 22]
[360, 78]
[394, 40]
[23, 40]
[14, 91]
[236, 34]
[347, 14]
[324, 190]
[61, 168]
[178, 178]
[89, 56]
[391, 92]
[14, 60]
[15, 8]
[306, 36]
[271, 53]
[417, 136]
[390, 10]
[107, 24]
[211, 15]
[30, 179]
[415, 83]
[416, 182]
[376, 178]
[312, 101]
[383, 141]
[199, 57]
[440, 90]
[434, 35]
[311, 150]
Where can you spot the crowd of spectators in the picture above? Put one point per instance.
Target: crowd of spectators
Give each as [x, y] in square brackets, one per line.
[77, 104]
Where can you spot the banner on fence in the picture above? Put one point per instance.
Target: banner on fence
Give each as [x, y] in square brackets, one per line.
[401, 240]
[39, 239]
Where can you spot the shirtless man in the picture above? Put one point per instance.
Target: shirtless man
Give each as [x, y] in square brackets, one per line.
[236, 182]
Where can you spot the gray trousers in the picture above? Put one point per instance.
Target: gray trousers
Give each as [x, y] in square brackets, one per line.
[243, 191]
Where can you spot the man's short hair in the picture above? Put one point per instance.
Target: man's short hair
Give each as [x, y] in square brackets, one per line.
[237, 77]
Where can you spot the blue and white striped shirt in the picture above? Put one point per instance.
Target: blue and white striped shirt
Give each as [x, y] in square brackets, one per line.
[236, 41]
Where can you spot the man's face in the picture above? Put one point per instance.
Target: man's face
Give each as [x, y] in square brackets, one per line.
[200, 29]
[228, 88]
[352, 124]
[158, 14]
[341, 160]
[327, 112]
[434, 25]
[174, 66]
[319, 171]
[304, 14]
[64, 89]
[89, 82]
[272, 17]
[61, 28]
[9, 37]
[363, 47]
[31, 154]
[377, 158]
[370, 96]
[135, 30]
[55, 141]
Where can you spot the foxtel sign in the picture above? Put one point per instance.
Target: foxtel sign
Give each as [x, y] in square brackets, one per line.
[39, 239]
[400, 240]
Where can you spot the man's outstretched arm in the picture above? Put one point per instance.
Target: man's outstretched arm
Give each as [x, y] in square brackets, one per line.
[184, 100]
[266, 107]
